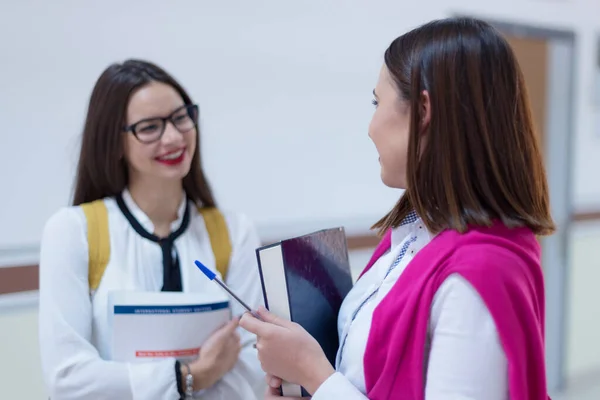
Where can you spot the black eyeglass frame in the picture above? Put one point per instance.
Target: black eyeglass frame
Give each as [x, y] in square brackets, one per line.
[193, 111]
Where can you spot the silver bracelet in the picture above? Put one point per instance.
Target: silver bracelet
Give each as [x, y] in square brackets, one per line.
[189, 382]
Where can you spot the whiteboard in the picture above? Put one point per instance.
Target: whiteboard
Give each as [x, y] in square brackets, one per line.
[285, 99]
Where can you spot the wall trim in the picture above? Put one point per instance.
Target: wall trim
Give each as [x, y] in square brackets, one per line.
[17, 301]
[19, 255]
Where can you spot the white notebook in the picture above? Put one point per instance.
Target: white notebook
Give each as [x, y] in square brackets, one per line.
[148, 326]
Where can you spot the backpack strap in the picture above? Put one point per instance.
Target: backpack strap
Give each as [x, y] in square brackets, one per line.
[98, 241]
[219, 237]
[98, 238]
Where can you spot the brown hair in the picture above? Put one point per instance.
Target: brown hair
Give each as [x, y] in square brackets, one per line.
[102, 170]
[482, 160]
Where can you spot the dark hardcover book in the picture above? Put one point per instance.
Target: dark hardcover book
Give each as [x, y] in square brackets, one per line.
[304, 280]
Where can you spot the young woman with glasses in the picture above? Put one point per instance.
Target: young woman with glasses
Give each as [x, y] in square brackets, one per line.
[140, 157]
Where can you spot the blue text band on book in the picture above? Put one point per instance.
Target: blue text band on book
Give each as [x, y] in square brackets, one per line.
[183, 309]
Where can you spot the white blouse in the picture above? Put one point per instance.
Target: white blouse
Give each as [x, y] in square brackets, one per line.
[74, 332]
[464, 358]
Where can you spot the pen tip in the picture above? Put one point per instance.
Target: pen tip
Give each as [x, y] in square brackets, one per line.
[209, 274]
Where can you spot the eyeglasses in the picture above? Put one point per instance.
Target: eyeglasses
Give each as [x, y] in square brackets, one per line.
[150, 130]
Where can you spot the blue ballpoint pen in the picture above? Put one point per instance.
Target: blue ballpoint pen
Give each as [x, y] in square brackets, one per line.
[213, 277]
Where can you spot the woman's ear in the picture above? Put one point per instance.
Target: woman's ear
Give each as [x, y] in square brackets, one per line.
[425, 111]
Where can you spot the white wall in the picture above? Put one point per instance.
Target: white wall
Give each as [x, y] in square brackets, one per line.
[284, 90]
[20, 371]
[583, 310]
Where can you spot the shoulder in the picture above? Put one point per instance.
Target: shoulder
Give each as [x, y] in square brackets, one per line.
[502, 265]
[72, 220]
[64, 245]
[238, 221]
[497, 251]
[239, 225]
[65, 220]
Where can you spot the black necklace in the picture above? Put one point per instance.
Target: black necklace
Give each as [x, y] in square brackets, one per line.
[171, 267]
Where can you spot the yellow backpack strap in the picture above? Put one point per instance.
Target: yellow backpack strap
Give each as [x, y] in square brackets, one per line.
[219, 237]
[98, 240]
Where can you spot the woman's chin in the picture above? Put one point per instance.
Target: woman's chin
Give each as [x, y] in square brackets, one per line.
[392, 181]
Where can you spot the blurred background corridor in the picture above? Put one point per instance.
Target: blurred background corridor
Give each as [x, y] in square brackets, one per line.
[284, 90]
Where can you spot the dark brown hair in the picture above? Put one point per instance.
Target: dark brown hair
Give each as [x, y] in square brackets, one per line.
[102, 169]
[481, 160]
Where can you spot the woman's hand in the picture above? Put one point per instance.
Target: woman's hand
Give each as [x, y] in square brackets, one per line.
[217, 356]
[275, 394]
[287, 351]
[273, 389]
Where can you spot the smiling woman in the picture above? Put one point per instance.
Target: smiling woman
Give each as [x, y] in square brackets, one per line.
[142, 212]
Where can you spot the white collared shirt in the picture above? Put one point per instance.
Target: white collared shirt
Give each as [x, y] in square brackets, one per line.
[74, 332]
[463, 356]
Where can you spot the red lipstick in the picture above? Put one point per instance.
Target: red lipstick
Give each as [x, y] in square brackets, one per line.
[172, 158]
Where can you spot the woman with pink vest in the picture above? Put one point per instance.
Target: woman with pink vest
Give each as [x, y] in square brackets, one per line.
[451, 305]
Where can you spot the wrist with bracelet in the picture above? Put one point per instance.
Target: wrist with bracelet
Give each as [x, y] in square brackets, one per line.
[186, 390]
